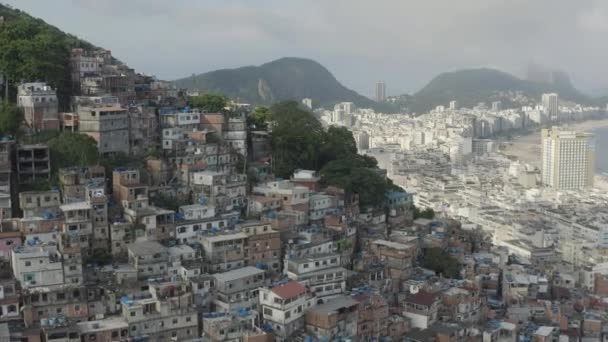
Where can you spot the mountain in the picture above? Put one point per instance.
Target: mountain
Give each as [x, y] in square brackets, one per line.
[283, 79]
[471, 86]
[31, 49]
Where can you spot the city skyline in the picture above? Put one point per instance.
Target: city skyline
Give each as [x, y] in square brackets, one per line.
[488, 39]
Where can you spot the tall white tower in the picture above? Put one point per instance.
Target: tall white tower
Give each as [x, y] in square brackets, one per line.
[568, 159]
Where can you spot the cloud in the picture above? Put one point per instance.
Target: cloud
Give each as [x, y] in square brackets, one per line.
[405, 42]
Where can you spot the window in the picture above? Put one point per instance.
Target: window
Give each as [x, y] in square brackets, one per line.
[174, 321]
[188, 319]
[60, 296]
[28, 263]
[305, 265]
[132, 313]
[267, 312]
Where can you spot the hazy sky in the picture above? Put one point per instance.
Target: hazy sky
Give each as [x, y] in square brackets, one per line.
[404, 42]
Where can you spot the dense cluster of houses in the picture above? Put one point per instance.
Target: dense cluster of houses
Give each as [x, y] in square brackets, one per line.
[236, 254]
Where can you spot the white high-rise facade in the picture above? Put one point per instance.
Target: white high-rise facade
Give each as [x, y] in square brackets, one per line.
[307, 102]
[568, 159]
[551, 106]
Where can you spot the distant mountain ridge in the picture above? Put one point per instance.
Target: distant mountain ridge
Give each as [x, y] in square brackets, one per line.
[471, 86]
[288, 78]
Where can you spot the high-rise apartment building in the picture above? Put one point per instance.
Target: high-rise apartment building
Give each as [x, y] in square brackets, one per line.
[453, 105]
[551, 106]
[380, 91]
[496, 106]
[568, 159]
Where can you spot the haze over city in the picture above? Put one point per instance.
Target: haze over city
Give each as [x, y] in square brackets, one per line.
[405, 43]
[420, 171]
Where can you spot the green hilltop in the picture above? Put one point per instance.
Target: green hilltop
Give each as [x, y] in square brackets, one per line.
[284, 79]
[471, 86]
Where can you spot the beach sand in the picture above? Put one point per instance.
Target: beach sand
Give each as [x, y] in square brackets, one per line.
[526, 148]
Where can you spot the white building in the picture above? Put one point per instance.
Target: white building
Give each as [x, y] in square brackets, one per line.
[568, 159]
[37, 266]
[40, 106]
[307, 102]
[284, 307]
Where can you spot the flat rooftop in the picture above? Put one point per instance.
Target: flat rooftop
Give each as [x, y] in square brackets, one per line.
[238, 274]
[146, 248]
[101, 325]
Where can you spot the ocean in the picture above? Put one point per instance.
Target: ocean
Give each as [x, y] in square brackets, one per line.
[601, 149]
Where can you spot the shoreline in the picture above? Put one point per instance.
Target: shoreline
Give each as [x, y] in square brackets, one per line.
[526, 148]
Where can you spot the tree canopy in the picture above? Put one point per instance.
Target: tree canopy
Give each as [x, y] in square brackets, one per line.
[300, 142]
[354, 174]
[35, 51]
[211, 103]
[296, 138]
[71, 149]
[338, 143]
[441, 262]
[259, 117]
[11, 118]
[427, 213]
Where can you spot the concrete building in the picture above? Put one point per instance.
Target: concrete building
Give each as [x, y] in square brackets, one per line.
[235, 135]
[568, 159]
[224, 251]
[284, 307]
[496, 106]
[238, 289]
[550, 104]
[37, 266]
[40, 106]
[334, 320]
[78, 224]
[321, 272]
[6, 175]
[33, 163]
[235, 326]
[422, 308]
[263, 245]
[453, 105]
[39, 203]
[164, 313]
[108, 124]
[149, 258]
[110, 329]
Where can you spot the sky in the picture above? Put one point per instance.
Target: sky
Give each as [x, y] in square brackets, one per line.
[403, 42]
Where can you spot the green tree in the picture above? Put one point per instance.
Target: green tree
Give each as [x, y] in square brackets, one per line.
[259, 117]
[427, 213]
[72, 149]
[33, 51]
[441, 262]
[296, 138]
[338, 143]
[212, 103]
[11, 118]
[352, 174]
